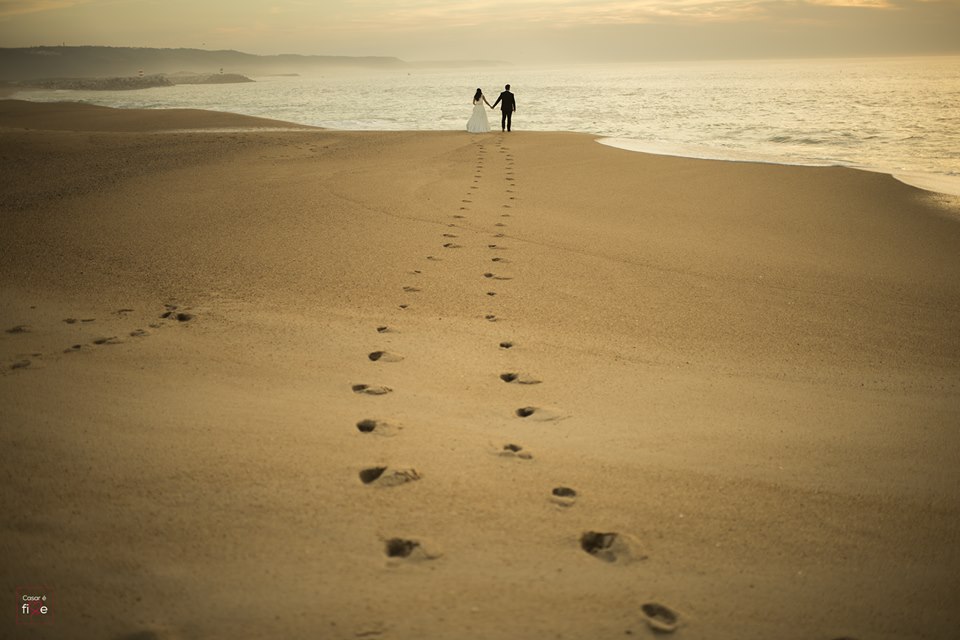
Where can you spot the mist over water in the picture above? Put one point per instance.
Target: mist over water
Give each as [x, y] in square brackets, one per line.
[900, 116]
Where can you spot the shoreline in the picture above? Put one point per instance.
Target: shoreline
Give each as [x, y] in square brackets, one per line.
[318, 383]
[934, 182]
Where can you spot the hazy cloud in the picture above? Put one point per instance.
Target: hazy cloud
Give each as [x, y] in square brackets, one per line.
[868, 4]
[513, 30]
[20, 7]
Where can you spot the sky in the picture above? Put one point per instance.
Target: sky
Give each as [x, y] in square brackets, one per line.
[516, 31]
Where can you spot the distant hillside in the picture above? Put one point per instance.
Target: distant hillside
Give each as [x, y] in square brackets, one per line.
[85, 62]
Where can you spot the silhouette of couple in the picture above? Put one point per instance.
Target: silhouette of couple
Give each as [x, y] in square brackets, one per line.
[478, 122]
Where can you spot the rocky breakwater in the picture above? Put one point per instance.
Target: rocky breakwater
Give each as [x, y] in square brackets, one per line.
[133, 82]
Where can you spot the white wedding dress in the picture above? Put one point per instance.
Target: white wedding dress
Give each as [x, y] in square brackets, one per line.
[478, 122]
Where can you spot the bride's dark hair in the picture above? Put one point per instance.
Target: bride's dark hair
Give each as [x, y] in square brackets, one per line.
[477, 95]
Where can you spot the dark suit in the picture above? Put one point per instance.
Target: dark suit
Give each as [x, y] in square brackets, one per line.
[508, 104]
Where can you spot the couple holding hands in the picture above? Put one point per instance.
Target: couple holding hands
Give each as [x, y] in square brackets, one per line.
[478, 122]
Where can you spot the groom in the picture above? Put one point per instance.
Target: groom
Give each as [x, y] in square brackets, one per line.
[506, 109]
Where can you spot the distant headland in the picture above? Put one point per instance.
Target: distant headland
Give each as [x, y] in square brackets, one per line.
[133, 65]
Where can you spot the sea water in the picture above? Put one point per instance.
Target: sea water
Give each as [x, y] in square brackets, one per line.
[899, 116]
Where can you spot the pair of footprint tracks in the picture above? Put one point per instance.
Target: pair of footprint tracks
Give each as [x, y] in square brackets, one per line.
[172, 314]
[609, 547]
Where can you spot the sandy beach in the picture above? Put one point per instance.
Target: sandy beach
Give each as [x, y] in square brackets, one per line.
[266, 381]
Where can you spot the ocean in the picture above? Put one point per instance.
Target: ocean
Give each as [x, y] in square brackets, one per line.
[899, 116]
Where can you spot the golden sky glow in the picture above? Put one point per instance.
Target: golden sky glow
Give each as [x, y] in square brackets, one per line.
[513, 30]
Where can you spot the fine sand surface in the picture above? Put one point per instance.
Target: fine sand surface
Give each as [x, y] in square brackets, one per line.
[742, 381]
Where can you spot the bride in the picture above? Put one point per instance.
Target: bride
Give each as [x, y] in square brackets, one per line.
[478, 122]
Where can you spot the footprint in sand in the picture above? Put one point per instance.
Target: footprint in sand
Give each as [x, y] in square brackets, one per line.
[20, 328]
[386, 477]
[450, 235]
[563, 496]
[503, 260]
[514, 451]
[539, 414]
[506, 345]
[519, 378]
[109, 340]
[139, 333]
[499, 224]
[400, 547]
[146, 634]
[411, 289]
[494, 276]
[384, 329]
[433, 258]
[660, 617]
[179, 316]
[491, 293]
[490, 317]
[371, 389]
[378, 427]
[404, 306]
[452, 245]
[384, 356]
[20, 364]
[409, 550]
[611, 547]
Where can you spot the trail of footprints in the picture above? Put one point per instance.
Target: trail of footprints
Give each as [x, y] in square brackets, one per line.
[610, 547]
[171, 315]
